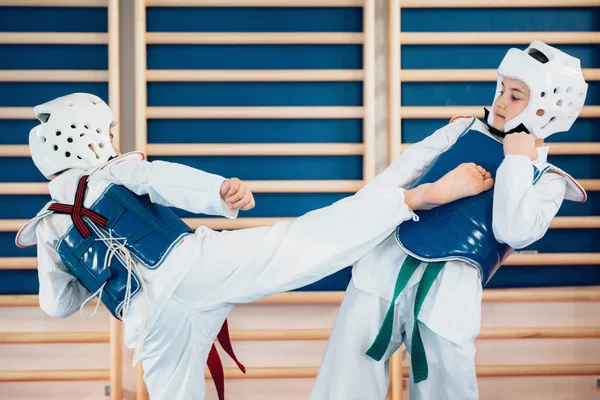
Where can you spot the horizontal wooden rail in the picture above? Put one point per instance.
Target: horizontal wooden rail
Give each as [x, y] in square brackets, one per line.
[53, 337]
[482, 371]
[333, 112]
[565, 259]
[540, 333]
[54, 375]
[486, 334]
[469, 75]
[254, 38]
[299, 334]
[254, 3]
[496, 4]
[255, 75]
[526, 295]
[299, 372]
[54, 3]
[53, 38]
[38, 75]
[256, 149]
[513, 38]
[13, 225]
[288, 186]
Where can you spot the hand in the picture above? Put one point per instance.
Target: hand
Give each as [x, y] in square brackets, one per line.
[520, 143]
[237, 194]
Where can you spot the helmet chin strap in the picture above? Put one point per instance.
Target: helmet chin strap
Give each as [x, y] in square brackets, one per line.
[499, 133]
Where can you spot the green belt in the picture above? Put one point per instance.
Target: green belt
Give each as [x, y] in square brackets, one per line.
[382, 341]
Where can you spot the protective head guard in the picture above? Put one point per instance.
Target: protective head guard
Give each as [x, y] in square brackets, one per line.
[557, 89]
[74, 133]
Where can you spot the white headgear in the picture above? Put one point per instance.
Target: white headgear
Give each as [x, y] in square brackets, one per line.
[74, 133]
[557, 88]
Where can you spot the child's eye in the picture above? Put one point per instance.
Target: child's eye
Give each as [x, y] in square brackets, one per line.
[515, 99]
[502, 92]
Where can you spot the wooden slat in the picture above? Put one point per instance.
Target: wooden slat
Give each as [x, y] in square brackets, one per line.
[575, 223]
[486, 334]
[540, 333]
[369, 159]
[114, 89]
[394, 100]
[254, 38]
[18, 263]
[54, 375]
[566, 259]
[564, 294]
[53, 337]
[560, 294]
[14, 150]
[23, 188]
[254, 3]
[574, 148]
[39, 75]
[538, 370]
[53, 3]
[229, 224]
[53, 38]
[255, 149]
[427, 112]
[16, 113]
[279, 334]
[469, 75]
[513, 38]
[590, 185]
[333, 112]
[299, 334]
[290, 186]
[13, 225]
[496, 4]
[255, 75]
[482, 371]
[306, 186]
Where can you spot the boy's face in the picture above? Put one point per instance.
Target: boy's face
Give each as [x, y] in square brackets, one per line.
[113, 144]
[513, 99]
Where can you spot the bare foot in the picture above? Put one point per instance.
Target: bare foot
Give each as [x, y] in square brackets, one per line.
[465, 180]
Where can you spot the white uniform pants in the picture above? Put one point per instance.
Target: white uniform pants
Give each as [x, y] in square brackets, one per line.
[347, 373]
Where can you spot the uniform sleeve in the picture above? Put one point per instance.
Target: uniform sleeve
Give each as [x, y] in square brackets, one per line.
[523, 211]
[61, 294]
[173, 185]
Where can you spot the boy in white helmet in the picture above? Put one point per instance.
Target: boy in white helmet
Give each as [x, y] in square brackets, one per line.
[108, 233]
[440, 262]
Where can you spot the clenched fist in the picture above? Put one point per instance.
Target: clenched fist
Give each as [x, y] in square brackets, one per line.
[237, 194]
[520, 143]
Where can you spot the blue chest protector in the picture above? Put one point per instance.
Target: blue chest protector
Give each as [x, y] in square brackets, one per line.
[461, 230]
[97, 253]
